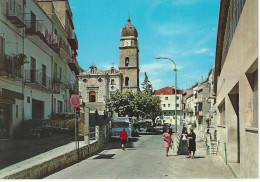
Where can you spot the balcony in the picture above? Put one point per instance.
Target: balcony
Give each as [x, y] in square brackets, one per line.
[9, 67]
[72, 38]
[65, 52]
[199, 113]
[73, 64]
[38, 80]
[15, 13]
[40, 35]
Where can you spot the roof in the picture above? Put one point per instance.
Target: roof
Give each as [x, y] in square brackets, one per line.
[167, 91]
[129, 29]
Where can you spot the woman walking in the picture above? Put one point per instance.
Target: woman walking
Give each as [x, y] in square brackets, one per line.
[167, 140]
[192, 143]
[124, 138]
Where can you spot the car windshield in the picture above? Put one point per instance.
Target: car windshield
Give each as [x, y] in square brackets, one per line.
[120, 125]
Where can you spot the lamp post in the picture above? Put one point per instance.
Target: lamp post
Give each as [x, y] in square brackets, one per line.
[175, 69]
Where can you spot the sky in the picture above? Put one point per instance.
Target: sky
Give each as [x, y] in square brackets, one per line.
[182, 30]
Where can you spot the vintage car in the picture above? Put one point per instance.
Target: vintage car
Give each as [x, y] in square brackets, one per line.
[34, 128]
[64, 121]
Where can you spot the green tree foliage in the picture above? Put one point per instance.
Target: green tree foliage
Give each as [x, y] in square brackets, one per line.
[142, 104]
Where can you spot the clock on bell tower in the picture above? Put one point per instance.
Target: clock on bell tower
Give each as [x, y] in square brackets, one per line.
[129, 58]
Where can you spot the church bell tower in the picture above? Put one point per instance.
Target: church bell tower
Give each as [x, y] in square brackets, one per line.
[129, 58]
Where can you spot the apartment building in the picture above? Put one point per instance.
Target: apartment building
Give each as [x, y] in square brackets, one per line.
[35, 54]
[167, 96]
[236, 85]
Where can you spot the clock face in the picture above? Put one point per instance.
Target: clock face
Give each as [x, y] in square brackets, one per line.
[127, 43]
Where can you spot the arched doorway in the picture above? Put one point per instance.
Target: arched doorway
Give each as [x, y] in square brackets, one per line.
[92, 96]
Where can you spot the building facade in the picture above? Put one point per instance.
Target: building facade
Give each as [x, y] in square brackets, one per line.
[167, 96]
[96, 85]
[33, 63]
[236, 85]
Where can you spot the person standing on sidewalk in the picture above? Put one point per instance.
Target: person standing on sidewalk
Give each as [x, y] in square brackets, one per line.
[124, 138]
[192, 143]
[208, 140]
[167, 138]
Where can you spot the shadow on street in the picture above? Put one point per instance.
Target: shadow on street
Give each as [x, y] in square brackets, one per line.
[14, 151]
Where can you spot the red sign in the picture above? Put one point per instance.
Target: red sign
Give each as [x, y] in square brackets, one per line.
[75, 101]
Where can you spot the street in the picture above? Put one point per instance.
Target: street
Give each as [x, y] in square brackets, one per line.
[145, 158]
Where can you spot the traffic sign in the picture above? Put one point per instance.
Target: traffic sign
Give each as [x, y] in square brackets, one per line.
[75, 101]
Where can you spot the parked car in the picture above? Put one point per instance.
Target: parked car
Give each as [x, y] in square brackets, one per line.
[64, 121]
[34, 128]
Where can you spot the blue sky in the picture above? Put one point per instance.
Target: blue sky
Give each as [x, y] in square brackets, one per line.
[183, 30]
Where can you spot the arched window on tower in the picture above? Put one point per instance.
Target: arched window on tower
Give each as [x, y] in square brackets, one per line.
[112, 71]
[127, 61]
[126, 81]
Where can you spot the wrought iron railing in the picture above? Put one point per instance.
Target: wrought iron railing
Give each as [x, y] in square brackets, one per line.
[39, 78]
[65, 46]
[39, 28]
[15, 10]
[9, 65]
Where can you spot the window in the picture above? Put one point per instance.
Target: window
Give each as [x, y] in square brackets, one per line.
[28, 99]
[16, 111]
[85, 80]
[127, 61]
[178, 105]
[169, 105]
[2, 51]
[55, 71]
[166, 98]
[112, 71]
[126, 81]
[60, 106]
[112, 82]
[164, 105]
[54, 105]
[222, 114]
[100, 79]
[177, 97]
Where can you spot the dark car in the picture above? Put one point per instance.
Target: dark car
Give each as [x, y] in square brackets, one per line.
[34, 128]
[168, 125]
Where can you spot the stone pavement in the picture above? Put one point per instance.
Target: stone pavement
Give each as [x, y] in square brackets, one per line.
[145, 159]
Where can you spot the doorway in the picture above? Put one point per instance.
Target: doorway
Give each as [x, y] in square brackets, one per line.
[37, 109]
[5, 120]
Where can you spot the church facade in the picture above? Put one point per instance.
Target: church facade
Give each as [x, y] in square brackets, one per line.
[96, 85]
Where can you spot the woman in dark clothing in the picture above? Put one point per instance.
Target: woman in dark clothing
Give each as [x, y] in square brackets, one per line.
[192, 143]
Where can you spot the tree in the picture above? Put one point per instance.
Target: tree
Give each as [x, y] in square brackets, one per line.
[147, 86]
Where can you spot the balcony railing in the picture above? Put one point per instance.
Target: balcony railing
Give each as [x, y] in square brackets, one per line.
[38, 79]
[16, 13]
[9, 67]
[73, 64]
[72, 38]
[64, 45]
[39, 28]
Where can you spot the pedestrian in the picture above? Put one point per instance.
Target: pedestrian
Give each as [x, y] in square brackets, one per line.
[184, 133]
[208, 141]
[215, 136]
[167, 138]
[124, 138]
[192, 143]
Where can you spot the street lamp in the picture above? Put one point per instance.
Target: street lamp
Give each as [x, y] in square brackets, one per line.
[175, 69]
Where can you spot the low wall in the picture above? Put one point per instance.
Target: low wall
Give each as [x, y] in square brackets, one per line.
[60, 162]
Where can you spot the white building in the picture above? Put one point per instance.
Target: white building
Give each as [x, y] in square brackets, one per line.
[167, 96]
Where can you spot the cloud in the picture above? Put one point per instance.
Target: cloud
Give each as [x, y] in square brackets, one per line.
[173, 29]
[107, 66]
[156, 68]
[185, 2]
[201, 51]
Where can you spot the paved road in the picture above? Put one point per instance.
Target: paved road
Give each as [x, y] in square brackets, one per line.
[144, 159]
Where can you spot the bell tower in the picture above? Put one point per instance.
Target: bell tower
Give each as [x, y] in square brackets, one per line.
[129, 58]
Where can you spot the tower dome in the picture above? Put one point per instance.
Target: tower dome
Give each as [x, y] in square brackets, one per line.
[129, 29]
